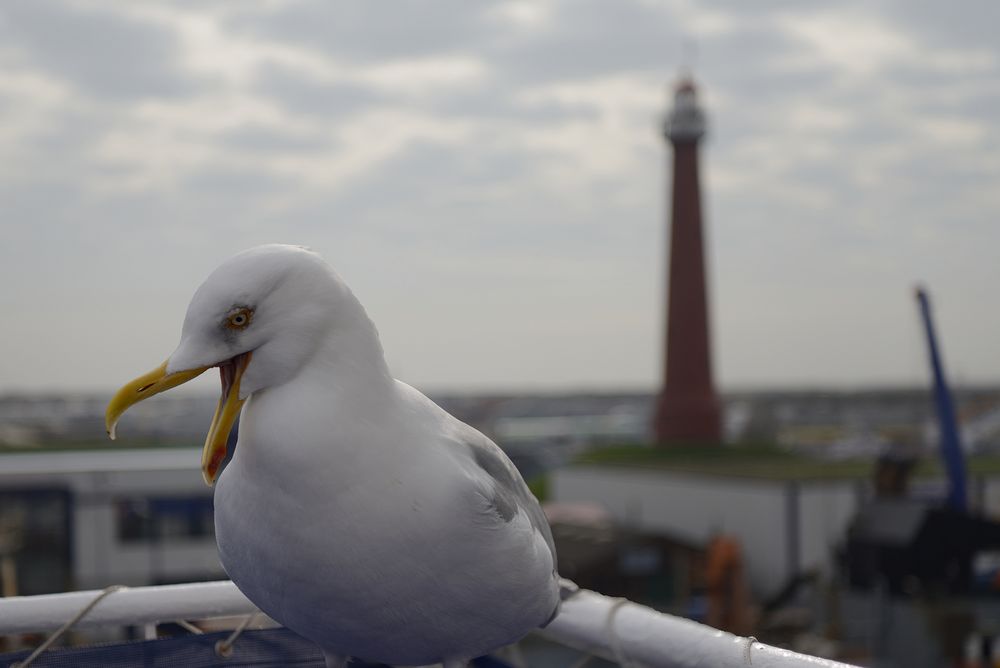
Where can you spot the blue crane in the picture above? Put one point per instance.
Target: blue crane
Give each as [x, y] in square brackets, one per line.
[951, 444]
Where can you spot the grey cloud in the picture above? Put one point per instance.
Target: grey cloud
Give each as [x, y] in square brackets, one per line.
[31, 210]
[263, 140]
[971, 23]
[357, 30]
[578, 42]
[71, 136]
[301, 95]
[100, 51]
[498, 101]
[575, 41]
[431, 196]
[234, 185]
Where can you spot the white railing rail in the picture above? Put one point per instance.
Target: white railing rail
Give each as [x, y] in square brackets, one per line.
[616, 629]
[130, 606]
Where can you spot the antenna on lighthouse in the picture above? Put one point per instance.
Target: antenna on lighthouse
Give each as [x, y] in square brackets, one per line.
[689, 57]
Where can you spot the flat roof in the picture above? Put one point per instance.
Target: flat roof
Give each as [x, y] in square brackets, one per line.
[761, 462]
[92, 461]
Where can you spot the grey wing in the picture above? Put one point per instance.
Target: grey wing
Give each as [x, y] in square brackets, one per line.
[509, 487]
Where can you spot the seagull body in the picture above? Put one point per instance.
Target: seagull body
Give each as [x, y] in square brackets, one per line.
[355, 511]
[401, 556]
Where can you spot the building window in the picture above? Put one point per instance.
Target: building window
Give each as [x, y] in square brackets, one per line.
[143, 519]
[34, 541]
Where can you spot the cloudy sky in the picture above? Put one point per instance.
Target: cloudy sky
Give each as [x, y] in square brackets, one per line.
[490, 180]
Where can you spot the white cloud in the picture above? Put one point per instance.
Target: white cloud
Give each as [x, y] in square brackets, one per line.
[860, 44]
[29, 101]
[950, 132]
[521, 14]
[360, 144]
[155, 144]
[811, 116]
[423, 76]
[211, 50]
[609, 137]
[696, 19]
[855, 43]
[158, 144]
[32, 104]
[612, 97]
[208, 50]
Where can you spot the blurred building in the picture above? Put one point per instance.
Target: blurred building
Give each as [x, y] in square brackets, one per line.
[786, 523]
[86, 520]
[598, 553]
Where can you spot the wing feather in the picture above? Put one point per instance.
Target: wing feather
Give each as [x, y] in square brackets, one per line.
[510, 490]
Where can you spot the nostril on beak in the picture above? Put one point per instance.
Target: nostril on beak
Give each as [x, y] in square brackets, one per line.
[144, 388]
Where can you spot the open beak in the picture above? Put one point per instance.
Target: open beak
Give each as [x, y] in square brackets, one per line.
[230, 404]
[158, 380]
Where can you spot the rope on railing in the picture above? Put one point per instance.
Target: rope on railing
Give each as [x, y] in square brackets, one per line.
[107, 591]
[188, 626]
[750, 641]
[134, 606]
[224, 648]
[616, 642]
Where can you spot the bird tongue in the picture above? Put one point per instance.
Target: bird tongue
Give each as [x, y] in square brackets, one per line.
[228, 410]
[227, 373]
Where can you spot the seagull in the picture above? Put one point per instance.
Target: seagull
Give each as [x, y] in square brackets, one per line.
[354, 510]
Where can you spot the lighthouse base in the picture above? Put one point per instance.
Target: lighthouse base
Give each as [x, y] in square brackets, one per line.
[687, 420]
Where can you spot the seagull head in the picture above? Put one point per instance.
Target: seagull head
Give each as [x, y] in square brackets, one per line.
[260, 317]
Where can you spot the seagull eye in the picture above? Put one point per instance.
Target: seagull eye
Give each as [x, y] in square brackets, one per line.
[239, 319]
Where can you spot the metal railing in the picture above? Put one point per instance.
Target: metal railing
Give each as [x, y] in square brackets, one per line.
[614, 629]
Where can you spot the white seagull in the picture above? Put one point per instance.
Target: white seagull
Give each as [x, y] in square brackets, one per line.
[355, 511]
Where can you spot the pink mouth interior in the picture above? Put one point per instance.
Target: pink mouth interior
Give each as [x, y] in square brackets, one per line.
[228, 371]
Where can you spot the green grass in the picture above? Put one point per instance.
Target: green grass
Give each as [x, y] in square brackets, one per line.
[539, 486]
[756, 461]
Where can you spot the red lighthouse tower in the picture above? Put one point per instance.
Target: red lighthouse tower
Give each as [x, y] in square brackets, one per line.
[688, 408]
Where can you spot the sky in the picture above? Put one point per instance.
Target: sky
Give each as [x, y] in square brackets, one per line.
[490, 179]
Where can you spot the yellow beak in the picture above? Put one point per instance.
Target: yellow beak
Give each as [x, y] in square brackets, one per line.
[158, 380]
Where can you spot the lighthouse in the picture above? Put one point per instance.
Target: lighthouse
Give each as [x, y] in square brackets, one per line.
[687, 409]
